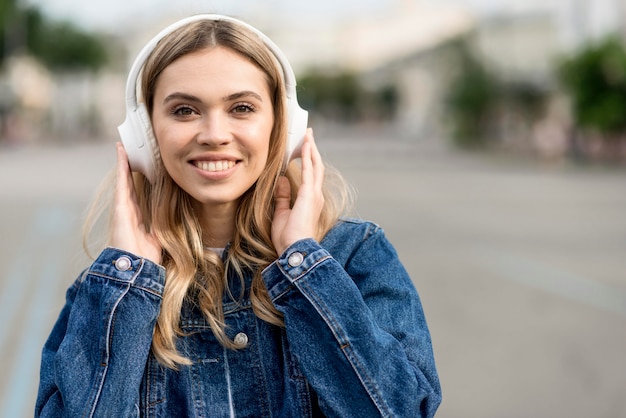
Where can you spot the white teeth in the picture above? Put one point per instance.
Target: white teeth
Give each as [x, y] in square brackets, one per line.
[213, 166]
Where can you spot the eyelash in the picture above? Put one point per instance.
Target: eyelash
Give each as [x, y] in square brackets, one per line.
[247, 106]
[177, 110]
[243, 107]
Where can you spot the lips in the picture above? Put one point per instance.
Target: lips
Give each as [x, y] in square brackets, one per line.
[214, 166]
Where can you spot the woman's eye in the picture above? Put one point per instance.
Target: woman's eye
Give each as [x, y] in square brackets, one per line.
[183, 111]
[243, 108]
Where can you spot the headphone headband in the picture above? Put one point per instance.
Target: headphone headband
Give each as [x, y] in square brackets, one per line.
[135, 69]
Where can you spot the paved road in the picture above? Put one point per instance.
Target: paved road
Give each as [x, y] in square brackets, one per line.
[520, 267]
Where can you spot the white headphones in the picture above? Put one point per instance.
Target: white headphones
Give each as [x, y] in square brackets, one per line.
[136, 132]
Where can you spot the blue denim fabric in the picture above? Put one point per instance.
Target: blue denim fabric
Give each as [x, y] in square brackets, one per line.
[355, 341]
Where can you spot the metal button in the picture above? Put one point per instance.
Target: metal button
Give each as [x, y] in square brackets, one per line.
[123, 263]
[295, 259]
[241, 339]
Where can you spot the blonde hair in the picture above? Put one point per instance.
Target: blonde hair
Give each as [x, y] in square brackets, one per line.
[191, 270]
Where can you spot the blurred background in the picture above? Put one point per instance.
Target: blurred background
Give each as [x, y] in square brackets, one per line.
[488, 139]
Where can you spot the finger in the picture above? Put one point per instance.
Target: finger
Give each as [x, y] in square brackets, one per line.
[282, 195]
[307, 163]
[125, 197]
[122, 157]
[123, 169]
[317, 164]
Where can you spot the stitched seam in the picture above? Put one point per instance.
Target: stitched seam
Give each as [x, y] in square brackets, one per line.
[367, 382]
[304, 273]
[127, 282]
[109, 337]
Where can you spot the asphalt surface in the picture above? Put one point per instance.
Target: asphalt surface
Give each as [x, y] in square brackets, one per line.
[520, 266]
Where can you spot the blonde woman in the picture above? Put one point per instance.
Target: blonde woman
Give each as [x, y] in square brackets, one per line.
[230, 286]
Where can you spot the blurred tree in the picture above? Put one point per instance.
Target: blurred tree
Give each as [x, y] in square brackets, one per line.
[8, 27]
[386, 100]
[595, 79]
[59, 45]
[486, 110]
[525, 97]
[342, 97]
[471, 100]
[334, 96]
[347, 95]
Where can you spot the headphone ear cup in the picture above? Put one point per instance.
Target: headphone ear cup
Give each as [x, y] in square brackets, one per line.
[298, 123]
[138, 138]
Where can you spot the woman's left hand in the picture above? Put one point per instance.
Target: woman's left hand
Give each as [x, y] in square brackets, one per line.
[292, 224]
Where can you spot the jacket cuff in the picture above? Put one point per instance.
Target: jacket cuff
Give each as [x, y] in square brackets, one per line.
[123, 266]
[293, 264]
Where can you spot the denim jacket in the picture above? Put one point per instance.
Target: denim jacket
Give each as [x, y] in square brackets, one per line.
[355, 341]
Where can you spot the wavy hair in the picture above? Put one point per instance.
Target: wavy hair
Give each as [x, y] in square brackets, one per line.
[193, 272]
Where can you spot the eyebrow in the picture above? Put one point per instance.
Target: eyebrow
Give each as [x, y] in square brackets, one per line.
[241, 95]
[183, 96]
[230, 97]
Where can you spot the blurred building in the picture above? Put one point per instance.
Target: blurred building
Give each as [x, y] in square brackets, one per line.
[524, 40]
[407, 46]
[26, 86]
[522, 44]
[37, 106]
[519, 46]
[410, 45]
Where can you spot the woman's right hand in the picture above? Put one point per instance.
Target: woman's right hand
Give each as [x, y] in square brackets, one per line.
[128, 231]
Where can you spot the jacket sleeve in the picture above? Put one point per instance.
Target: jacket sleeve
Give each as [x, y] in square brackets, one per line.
[93, 361]
[357, 329]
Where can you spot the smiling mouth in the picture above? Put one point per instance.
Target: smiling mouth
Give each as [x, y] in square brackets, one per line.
[214, 166]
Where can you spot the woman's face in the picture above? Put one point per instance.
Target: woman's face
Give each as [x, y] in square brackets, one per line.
[213, 117]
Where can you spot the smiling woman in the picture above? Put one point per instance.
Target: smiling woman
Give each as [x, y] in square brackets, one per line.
[213, 117]
[231, 283]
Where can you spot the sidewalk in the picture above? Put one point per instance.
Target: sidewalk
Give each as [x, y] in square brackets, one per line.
[520, 268]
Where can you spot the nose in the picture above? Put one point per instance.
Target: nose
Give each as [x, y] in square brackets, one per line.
[214, 130]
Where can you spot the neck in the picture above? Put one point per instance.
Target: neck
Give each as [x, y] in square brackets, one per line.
[218, 224]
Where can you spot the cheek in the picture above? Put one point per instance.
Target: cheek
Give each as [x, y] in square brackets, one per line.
[262, 149]
[166, 138]
[263, 146]
[169, 154]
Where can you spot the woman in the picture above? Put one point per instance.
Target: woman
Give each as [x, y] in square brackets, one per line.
[229, 287]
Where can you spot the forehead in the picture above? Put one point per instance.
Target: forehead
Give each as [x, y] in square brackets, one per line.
[216, 66]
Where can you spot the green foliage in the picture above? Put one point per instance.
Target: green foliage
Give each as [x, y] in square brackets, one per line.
[480, 104]
[595, 78]
[342, 97]
[470, 100]
[59, 45]
[524, 97]
[387, 99]
[62, 46]
[8, 18]
[335, 96]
